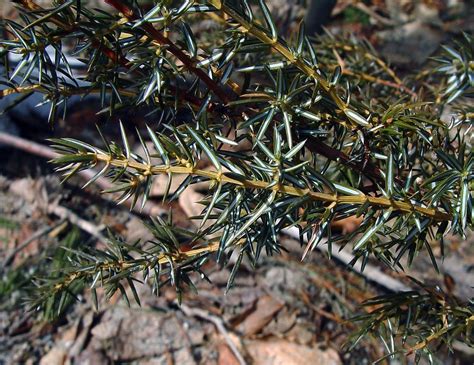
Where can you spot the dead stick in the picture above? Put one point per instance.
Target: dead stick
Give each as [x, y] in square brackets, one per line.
[219, 323]
[72, 217]
[47, 152]
[370, 272]
[25, 243]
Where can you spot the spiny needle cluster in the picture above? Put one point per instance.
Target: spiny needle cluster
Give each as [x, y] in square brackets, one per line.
[291, 136]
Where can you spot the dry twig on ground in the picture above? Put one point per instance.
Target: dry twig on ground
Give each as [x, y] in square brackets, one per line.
[219, 323]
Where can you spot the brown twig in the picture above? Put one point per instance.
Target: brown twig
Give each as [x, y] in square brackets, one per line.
[382, 20]
[370, 272]
[175, 50]
[368, 169]
[398, 85]
[219, 323]
[44, 151]
[25, 244]
[72, 217]
[376, 80]
[422, 344]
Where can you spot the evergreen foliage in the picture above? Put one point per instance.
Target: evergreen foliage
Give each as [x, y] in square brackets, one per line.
[298, 132]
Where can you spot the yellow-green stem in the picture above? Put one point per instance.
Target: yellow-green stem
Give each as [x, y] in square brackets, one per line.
[177, 257]
[396, 205]
[311, 72]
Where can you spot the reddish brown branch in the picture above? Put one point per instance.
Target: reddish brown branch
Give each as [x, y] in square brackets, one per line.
[109, 53]
[123, 61]
[176, 51]
[368, 169]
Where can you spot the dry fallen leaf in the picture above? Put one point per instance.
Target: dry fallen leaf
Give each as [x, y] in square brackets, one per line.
[347, 225]
[55, 356]
[226, 356]
[189, 201]
[265, 310]
[282, 352]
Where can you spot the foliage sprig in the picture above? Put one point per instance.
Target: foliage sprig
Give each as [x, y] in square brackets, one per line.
[292, 134]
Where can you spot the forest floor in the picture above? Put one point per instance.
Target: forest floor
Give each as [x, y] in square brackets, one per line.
[284, 311]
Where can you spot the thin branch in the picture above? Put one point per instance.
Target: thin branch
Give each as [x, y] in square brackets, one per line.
[219, 323]
[28, 146]
[163, 259]
[368, 169]
[398, 85]
[25, 244]
[370, 272]
[283, 50]
[176, 51]
[20, 90]
[422, 344]
[370, 56]
[405, 207]
[382, 20]
[72, 217]
[69, 91]
[379, 81]
[46, 152]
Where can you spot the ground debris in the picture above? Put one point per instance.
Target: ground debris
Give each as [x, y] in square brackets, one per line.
[282, 352]
[265, 309]
[129, 334]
